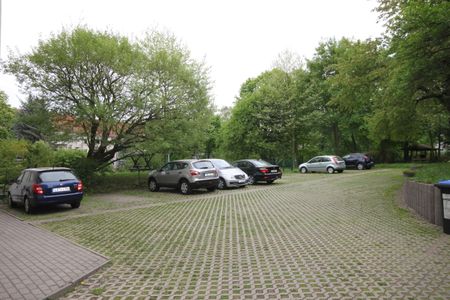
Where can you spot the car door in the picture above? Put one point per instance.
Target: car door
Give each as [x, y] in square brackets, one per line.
[15, 187]
[350, 160]
[324, 162]
[174, 175]
[163, 175]
[313, 164]
[247, 168]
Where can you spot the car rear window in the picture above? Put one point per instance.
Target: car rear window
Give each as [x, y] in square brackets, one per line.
[56, 176]
[261, 163]
[203, 165]
[221, 164]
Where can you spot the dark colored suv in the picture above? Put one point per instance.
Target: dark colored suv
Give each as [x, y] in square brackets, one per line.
[259, 170]
[44, 186]
[359, 161]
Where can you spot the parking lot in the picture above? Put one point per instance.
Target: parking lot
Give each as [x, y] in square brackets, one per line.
[317, 236]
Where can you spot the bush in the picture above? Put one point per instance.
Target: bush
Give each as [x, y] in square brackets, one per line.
[67, 157]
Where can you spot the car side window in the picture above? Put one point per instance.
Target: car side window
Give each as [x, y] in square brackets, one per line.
[326, 159]
[167, 167]
[314, 160]
[20, 178]
[26, 177]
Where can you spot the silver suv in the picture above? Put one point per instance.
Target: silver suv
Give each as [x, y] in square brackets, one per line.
[185, 175]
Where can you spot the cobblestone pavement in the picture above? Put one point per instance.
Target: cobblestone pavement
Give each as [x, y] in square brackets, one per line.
[336, 237]
[36, 264]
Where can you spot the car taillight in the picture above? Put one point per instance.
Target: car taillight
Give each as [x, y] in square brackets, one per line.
[79, 186]
[264, 170]
[37, 189]
[194, 173]
[334, 160]
[366, 158]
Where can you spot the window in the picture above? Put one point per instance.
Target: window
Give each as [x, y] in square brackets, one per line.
[203, 165]
[57, 176]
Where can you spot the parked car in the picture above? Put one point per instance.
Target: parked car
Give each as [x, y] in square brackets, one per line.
[44, 186]
[229, 176]
[325, 163]
[259, 170]
[359, 161]
[185, 175]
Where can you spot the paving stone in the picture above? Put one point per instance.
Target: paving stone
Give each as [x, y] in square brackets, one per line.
[37, 263]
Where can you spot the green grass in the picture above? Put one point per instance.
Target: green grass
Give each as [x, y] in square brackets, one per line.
[433, 173]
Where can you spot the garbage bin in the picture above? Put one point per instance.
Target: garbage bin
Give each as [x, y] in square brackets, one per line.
[444, 186]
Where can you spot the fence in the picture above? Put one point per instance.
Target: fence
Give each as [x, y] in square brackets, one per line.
[424, 199]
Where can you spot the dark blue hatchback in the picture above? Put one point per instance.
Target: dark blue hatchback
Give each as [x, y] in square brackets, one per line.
[45, 186]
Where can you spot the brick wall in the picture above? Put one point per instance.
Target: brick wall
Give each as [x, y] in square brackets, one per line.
[425, 199]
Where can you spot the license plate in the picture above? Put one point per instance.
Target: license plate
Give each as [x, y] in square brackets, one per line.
[273, 171]
[241, 181]
[61, 189]
[209, 174]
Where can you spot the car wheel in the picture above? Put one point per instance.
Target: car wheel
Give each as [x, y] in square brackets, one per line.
[360, 166]
[153, 185]
[303, 170]
[27, 206]
[270, 181]
[185, 187]
[251, 180]
[75, 204]
[222, 185]
[11, 203]
[330, 170]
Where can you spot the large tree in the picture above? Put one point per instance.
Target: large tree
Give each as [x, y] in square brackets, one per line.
[107, 88]
[418, 34]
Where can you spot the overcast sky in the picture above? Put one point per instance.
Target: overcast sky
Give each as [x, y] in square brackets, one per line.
[236, 39]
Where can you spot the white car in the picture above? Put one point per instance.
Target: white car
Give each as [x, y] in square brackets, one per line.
[229, 176]
[325, 163]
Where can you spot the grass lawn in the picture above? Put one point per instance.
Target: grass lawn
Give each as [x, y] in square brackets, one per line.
[306, 236]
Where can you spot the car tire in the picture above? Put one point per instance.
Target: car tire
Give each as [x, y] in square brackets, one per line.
[11, 203]
[185, 187]
[330, 170]
[75, 204]
[360, 166]
[303, 170]
[153, 185]
[251, 180]
[222, 184]
[270, 181]
[27, 205]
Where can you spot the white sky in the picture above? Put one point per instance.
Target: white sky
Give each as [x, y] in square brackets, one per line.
[236, 39]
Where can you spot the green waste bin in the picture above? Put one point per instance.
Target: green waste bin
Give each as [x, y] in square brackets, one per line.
[444, 186]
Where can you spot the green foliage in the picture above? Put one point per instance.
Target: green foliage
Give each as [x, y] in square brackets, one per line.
[12, 154]
[67, 157]
[7, 117]
[108, 88]
[433, 173]
[36, 122]
[40, 154]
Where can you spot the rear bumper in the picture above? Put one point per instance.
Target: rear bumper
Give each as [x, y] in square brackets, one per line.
[205, 183]
[266, 177]
[57, 199]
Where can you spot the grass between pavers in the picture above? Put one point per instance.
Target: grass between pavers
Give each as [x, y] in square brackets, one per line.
[330, 235]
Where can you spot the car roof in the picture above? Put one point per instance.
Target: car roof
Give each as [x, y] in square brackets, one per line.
[47, 169]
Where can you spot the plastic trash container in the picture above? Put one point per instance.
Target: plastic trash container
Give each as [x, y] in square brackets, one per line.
[444, 186]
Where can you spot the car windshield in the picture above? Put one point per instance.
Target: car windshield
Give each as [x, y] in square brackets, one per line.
[221, 164]
[203, 165]
[261, 163]
[57, 176]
